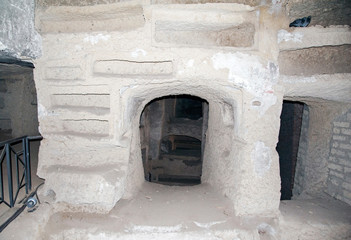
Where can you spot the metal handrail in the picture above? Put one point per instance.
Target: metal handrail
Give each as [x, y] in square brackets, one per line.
[20, 157]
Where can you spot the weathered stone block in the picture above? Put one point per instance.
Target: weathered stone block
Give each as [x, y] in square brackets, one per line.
[48, 3]
[249, 2]
[337, 152]
[125, 68]
[342, 124]
[64, 73]
[336, 174]
[112, 17]
[339, 137]
[313, 36]
[345, 162]
[335, 167]
[77, 101]
[346, 131]
[90, 156]
[316, 60]
[85, 127]
[324, 12]
[347, 186]
[334, 190]
[345, 146]
[196, 34]
[89, 189]
[336, 181]
[347, 194]
[347, 178]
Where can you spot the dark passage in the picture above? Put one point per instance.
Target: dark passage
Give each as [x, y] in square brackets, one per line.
[18, 99]
[172, 136]
[287, 147]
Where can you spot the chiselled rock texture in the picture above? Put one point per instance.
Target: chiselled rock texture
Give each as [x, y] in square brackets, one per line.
[198, 34]
[316, 60]
[102, 64]
[108, 75]
[323, 12]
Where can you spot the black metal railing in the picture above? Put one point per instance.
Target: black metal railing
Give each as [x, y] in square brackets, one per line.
[15, 152]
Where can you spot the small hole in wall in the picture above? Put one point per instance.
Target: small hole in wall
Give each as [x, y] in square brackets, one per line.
[172, 137]
[256, 103]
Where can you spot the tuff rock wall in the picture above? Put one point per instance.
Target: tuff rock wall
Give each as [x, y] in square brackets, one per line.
[102, 64]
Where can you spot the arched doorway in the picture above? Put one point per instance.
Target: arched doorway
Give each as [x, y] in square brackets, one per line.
[172, 137]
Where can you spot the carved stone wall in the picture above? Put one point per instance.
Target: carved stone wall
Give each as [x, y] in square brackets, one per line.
[102, 64]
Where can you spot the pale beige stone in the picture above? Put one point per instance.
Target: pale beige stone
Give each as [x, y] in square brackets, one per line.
[94, 82]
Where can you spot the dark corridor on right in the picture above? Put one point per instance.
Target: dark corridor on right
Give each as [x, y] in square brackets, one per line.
[288, 145]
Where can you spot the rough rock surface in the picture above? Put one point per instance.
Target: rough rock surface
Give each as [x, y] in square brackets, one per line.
[18, 37]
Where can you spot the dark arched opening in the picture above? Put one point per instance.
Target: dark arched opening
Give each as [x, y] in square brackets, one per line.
[172, 137]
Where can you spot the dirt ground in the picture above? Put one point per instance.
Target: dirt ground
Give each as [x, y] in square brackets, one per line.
[178, 212]
[185, 212]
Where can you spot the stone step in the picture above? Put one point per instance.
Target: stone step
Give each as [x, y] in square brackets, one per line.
[163, 212]
[152, 232]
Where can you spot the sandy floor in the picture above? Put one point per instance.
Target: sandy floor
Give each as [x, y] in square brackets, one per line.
[157, 212]
[182, 212]
[315, 219]
[197, 212]
[159, 208]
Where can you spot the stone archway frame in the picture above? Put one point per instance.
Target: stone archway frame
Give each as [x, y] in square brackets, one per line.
[223, 134]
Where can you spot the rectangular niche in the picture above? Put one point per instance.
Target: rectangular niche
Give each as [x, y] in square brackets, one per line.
[199, 34]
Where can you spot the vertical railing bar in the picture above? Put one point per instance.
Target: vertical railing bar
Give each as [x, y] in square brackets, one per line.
[9, 173]
[1, 177]
[27, 162]
[19, 188]
[7, 150]
[17, 159]
[2, 156]
[17, 170]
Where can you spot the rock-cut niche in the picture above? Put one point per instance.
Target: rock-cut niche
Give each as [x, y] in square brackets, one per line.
[172, 137]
